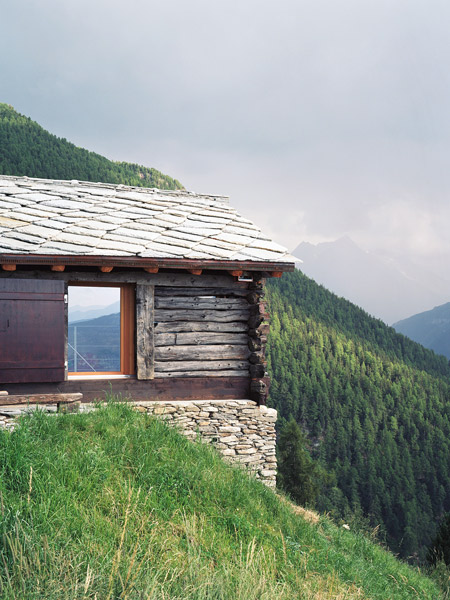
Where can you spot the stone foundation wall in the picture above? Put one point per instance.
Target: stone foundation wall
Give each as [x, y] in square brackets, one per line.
[241, 430]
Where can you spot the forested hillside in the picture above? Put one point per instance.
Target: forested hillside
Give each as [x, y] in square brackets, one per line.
[28, 149]
[374, 405]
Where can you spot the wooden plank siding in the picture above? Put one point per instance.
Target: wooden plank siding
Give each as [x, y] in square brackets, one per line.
[201, 332]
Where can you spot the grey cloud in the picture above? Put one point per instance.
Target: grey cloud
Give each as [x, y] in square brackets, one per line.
[312, 115]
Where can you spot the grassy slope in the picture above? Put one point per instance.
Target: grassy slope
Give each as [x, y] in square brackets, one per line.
[28, 149]
[116, 505]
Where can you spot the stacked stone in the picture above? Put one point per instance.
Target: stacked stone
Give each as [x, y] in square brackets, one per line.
[242, 431]
[7, 422]
[258, 328]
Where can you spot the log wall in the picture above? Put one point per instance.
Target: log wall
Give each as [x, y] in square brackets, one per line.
[201, 332]
[189, 329]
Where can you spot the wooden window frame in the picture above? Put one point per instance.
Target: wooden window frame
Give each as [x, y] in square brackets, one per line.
[127, 330]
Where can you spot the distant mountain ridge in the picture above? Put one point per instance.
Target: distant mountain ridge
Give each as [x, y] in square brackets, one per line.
[83, 313]
[28, 149]
[430, 328]
[387, 288]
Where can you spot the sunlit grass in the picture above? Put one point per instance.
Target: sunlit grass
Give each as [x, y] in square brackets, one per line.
[115, 504]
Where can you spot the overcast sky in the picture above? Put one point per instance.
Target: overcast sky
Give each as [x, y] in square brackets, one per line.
[319, 118]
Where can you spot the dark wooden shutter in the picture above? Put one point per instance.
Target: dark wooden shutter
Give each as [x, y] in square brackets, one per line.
[32, 330]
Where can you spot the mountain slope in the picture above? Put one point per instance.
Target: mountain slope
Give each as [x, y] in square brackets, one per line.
[430, 328]
[374, 405]
[28, 149]
[112, 504]
[386, 288]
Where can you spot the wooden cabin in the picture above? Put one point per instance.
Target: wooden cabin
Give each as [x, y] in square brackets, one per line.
[190, 272]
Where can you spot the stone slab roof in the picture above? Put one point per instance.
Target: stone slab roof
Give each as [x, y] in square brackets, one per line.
[74, 218]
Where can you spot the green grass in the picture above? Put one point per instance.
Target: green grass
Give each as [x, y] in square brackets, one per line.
[114, 504]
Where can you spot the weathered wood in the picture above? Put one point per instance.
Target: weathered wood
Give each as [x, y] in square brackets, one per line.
[135, 276]
[195, 338]
[209, 386]
[197, 303]
[58, 268]
[188, 326]
[173, 374]
[210, 352]
[9, 267]
[13, 399]
[144, 331]
[236, 273]
[263, 329]
[256, 358]
[254, 297]
[236, 291]
[258, 309]
[195, 271]
[257, 370]
[254, 344]
[104, 269]
[151, 269]
[255, 321]
[259, 390]
[201, 365]
[200, 315]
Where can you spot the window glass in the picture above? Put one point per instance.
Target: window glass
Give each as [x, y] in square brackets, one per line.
[94, 329]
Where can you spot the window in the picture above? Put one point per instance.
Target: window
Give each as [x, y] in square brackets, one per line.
[37, 341]
[100, 337]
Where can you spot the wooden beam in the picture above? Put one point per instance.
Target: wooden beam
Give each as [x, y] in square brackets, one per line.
[104, 269]
[145, 331]
[236, 273]
[58, 268]
[151, 269]
[9, 267]
[39, 399]
[200, 385]
[276, 273]
[195, 271]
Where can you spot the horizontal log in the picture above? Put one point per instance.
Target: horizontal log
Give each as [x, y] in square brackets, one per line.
[263, 329]
[201, 365]
[174, 374]
[180, 326]
[254, 344]
[210, 352]
[255, 321]
[258, 309]
[232, 292]
[195, 338]
[257, 358]
[199, 303]
[254, 297]
[176, 279]
[225, 316]
[257, 370]
[39, 399]
[206, 387]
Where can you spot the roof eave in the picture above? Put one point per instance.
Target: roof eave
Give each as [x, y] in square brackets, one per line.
[138, 262]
